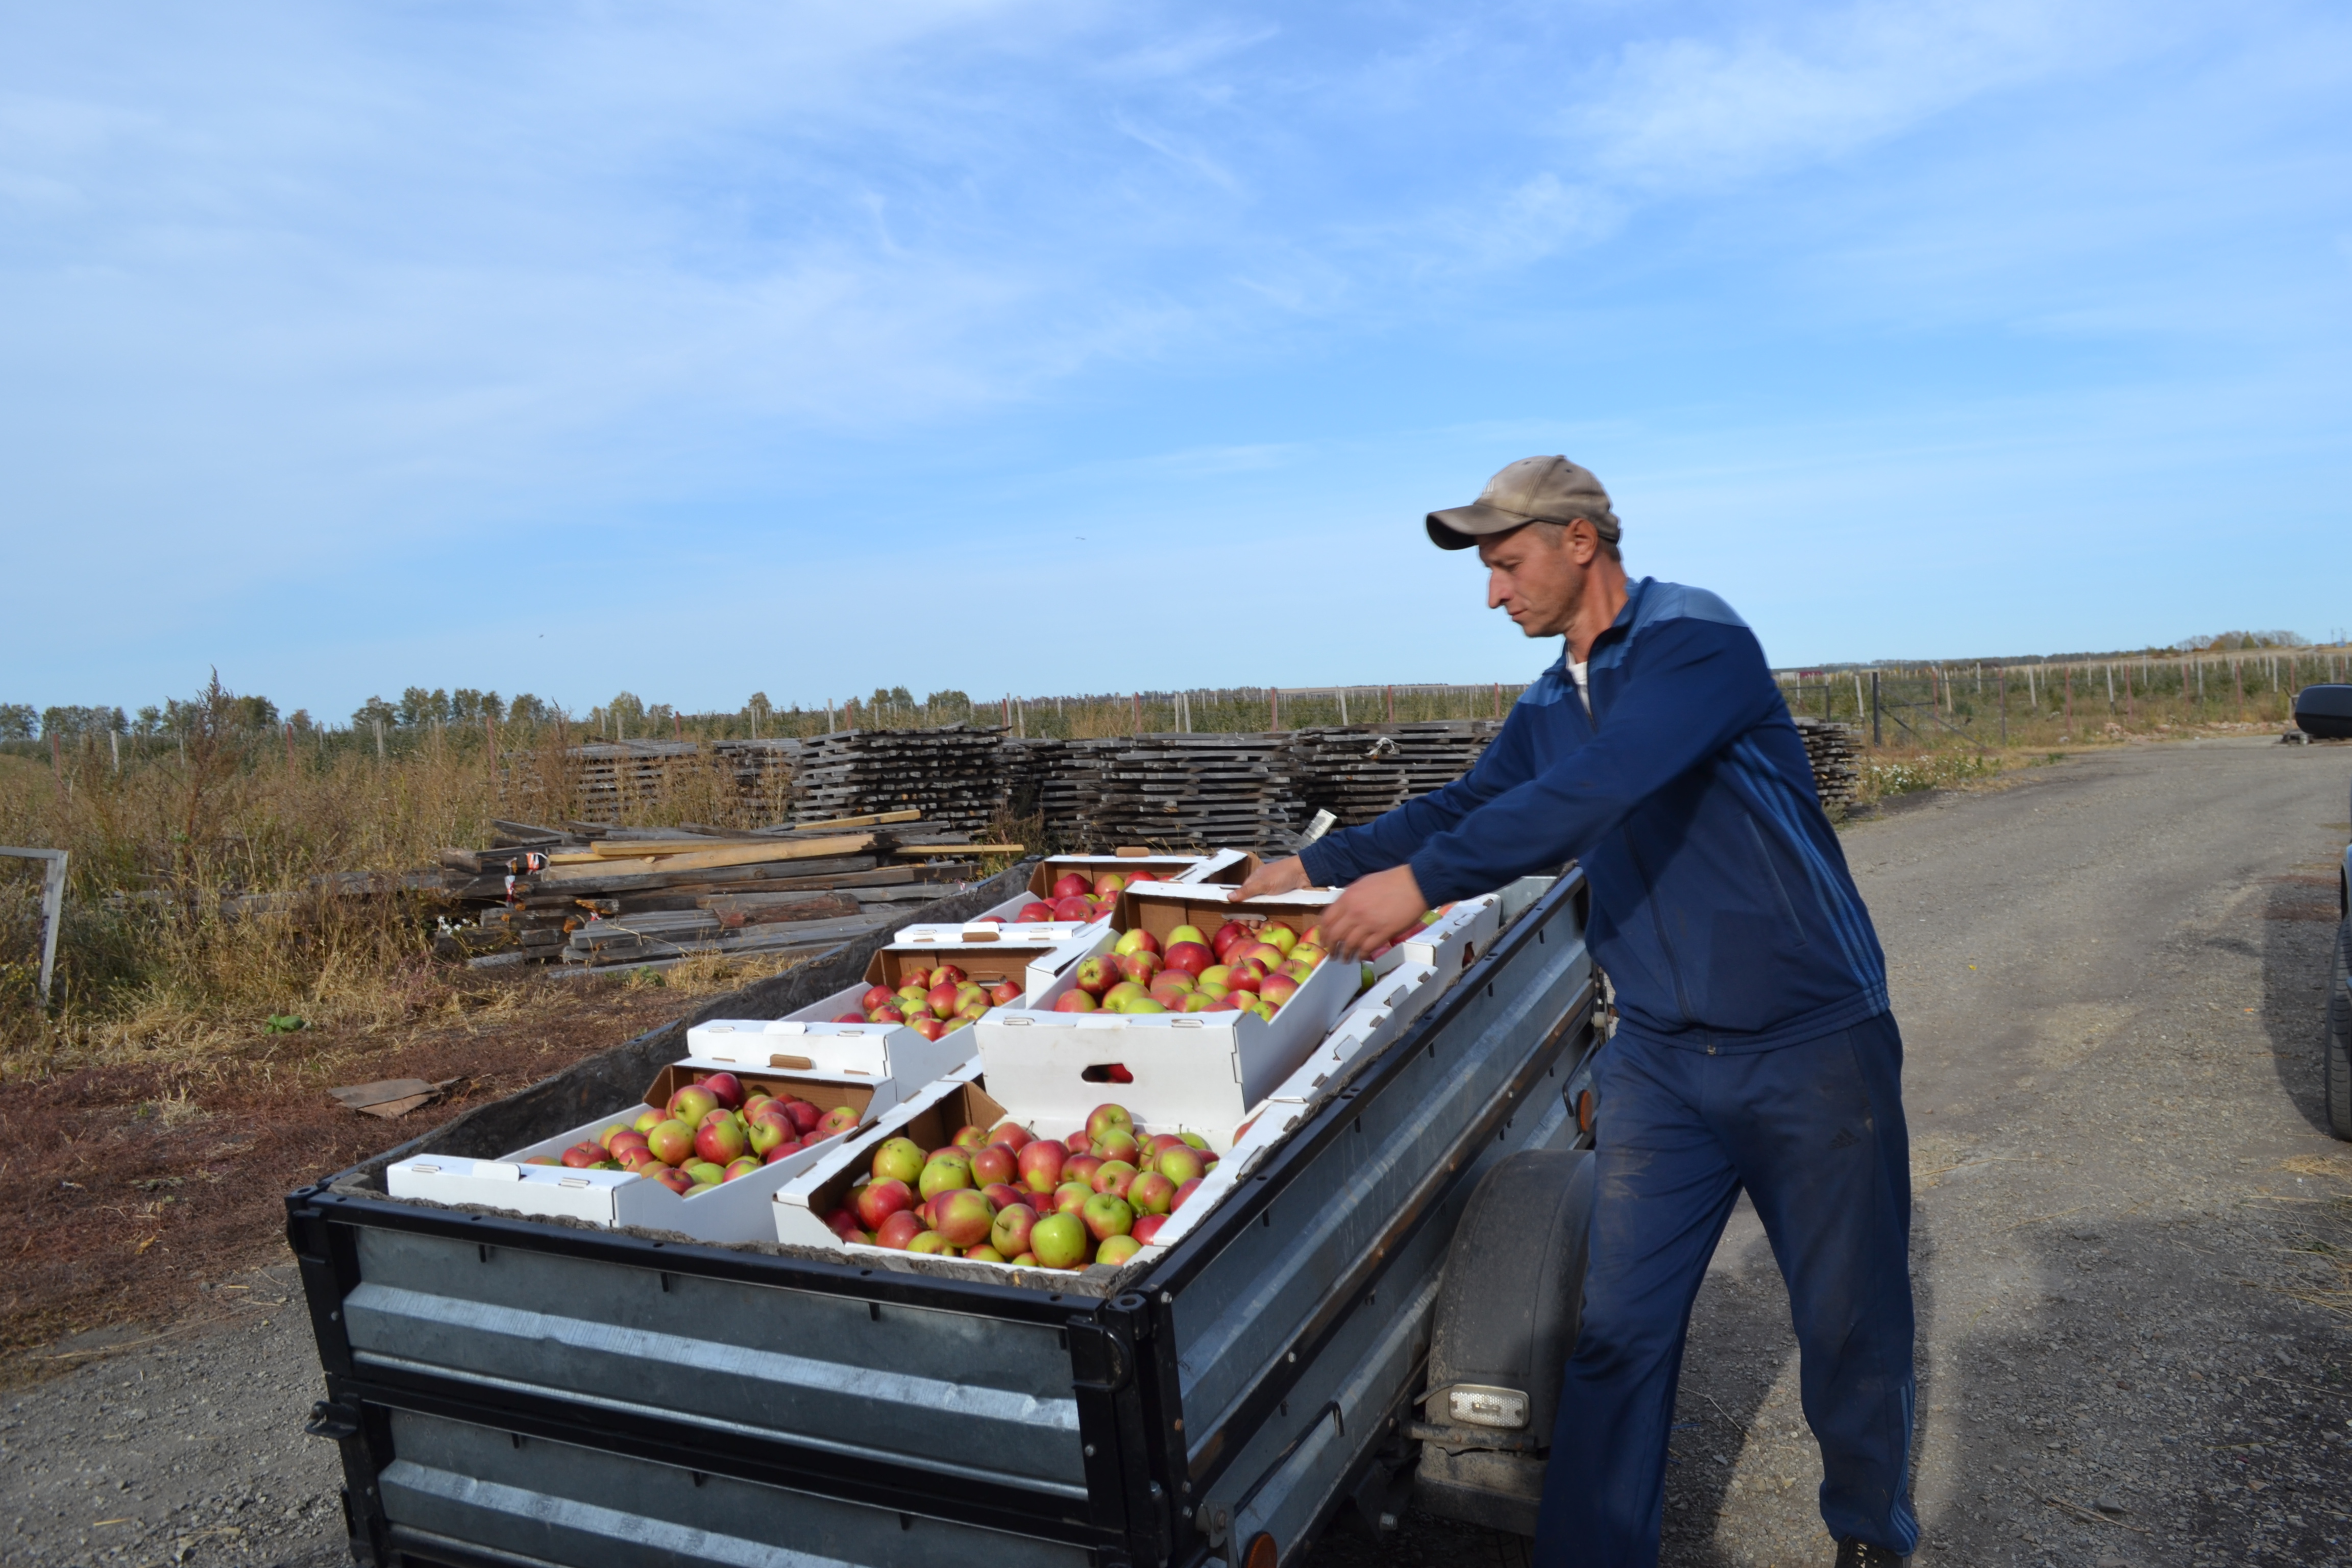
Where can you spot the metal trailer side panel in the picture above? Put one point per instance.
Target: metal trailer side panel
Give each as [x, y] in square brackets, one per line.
[853, 1377]
[1274, 1279]
[462, 1490]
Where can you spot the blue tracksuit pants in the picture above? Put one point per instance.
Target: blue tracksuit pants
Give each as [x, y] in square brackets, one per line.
[1814, 1132]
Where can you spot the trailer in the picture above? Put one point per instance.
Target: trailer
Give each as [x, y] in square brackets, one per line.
[1378, 1312]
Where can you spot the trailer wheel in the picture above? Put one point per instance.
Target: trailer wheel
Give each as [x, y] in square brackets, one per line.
[1507, 1318]
[2335, 1049]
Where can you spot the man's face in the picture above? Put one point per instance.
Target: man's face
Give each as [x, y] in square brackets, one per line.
[1535, 576]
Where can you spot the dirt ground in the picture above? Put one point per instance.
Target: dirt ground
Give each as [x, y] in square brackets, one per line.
[2131, 1239]
[134, 1187]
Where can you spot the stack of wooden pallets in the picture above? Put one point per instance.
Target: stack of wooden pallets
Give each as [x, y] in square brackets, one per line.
[955, 775]
[1833, 750]
[1193, 792]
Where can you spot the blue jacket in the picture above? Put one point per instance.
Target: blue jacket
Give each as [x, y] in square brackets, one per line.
[1722, 909]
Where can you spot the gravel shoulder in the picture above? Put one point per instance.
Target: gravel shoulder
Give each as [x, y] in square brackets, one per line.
[2130, 1244]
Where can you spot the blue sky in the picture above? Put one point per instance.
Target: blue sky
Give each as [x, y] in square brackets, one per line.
[700, 349]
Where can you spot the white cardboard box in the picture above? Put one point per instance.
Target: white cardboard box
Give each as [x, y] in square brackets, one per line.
[1221, 867]
[1453, 942]
[932, 1118]
[736, 1211]
[1200, 1071]
[1394, 1000]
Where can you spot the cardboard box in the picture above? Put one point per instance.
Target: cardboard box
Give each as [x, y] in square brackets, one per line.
[930, 1116]
[1223, 867]
[1035, 966]
[809, 1041]
[931, 1120]
[1453, 942]
[1393, 1000]
[1202, 1072]
[734, 1211]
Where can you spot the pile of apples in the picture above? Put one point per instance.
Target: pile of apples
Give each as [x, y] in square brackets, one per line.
[710, 1131]
[1074, 898]
[1242, 969]
[1004, 1196]
[932, 1002]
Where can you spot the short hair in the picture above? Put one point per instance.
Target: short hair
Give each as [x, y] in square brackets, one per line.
[1605, 530]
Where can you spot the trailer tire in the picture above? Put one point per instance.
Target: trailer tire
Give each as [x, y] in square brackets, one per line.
[1507, 1320]
[2336, 1047]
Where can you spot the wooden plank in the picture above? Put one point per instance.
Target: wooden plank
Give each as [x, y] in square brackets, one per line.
[711, 860]
[875, 820]
[963, 848]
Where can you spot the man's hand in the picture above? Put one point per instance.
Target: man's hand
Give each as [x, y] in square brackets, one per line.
[1277, 876]
[1372, 910]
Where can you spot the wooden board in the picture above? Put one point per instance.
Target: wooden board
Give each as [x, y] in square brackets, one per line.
[709, 860]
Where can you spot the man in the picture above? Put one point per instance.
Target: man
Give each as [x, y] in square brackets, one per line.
[1754, 1049]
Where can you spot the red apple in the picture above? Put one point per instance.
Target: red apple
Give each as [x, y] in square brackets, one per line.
[930, 1028]
[876, 996]
[1081, 1167]
[1004, 993]
[840, 1119]
[1106, 1216]
[1140, 967]
[877, 1201]
[1079, 1144]
[1150, 1192]
[964, 1218]
[1136, 941]
[1109, 884]
[726, 1087]
[692, 1103]
[671, 1141]
[1277, 989]
[992, 1163]
[1034, 913]
[1010, 1234]
[1000, 1193]
[722, 1141]
[1119, 1143]
[1146, 1227]
[949, 974]
[1071, 884]
[844, 1223]
[1075, 1000]
[1041, 1163]
[1079, 910]
[1097, 974]
[1191, 957]
[1230, 936]
[1011, 1135]
[896, 1231]
[941, 999]
[784, 1151]
[1231, 1002]
[1112, 1176]
[1246, 976]
[968, 1136]
[742, 1167]
[1265, 955]
[1071, 1197]
[673, 1178]
[1107, 1115]
[639, 1161]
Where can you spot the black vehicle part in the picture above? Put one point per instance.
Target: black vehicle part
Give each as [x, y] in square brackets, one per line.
[2335, 1045]
[1507, 1320]
[2325, 713]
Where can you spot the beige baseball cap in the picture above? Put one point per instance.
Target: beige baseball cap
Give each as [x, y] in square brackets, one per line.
[1533, 489]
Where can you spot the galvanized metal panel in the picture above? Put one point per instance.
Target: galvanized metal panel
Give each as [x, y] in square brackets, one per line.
[1293, 1465]
[588, 1508]
[830, 1373]
[1244, 1310]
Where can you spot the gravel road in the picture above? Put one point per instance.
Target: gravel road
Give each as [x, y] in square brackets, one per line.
[2131, 1241]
